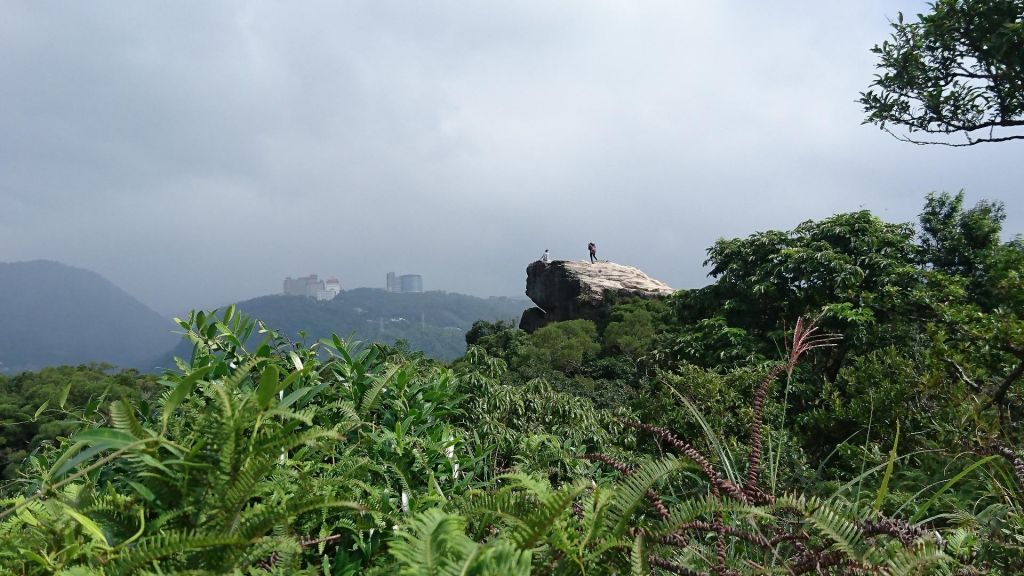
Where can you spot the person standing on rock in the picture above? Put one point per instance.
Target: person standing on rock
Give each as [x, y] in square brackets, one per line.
[593, 252]
[545, 257]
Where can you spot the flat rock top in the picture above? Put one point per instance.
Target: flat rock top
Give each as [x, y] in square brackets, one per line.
[601, 276]
[597, 278]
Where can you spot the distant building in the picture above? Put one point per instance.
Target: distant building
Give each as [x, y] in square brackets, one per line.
[331, 289]
[404, 283]
[410, 283]
[312, 287]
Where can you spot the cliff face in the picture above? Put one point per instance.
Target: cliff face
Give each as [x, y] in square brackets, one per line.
[569, 290]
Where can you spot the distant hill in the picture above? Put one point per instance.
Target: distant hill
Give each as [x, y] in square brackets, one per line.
[54, 314]
[432, 322]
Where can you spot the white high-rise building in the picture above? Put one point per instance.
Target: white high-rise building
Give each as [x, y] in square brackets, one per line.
[312, 287]
[331, 289]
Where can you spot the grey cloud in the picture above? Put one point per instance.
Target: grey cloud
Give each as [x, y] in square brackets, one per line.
[196, 153]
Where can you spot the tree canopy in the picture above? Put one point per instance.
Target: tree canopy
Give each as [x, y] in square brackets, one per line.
[958, 69]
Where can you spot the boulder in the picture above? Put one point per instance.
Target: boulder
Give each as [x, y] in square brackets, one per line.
[570, 290]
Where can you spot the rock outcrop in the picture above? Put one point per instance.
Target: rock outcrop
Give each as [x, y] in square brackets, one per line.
[569, 290]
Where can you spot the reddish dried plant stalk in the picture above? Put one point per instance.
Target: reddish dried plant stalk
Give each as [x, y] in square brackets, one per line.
[805, 338]
[1010, 456]
[625, 470]
[899, 529]
[718, 483]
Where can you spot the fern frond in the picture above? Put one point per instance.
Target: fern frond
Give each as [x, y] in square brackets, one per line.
[844, 533]
[632, 491]
[369, 400]
[534, 526]
[509, 504]
[148, 549]
[433, 542]
[638, 556]
[122, 417]
[258, 524]
[923, 558]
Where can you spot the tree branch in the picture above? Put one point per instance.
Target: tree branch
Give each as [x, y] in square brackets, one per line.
[1000, 394]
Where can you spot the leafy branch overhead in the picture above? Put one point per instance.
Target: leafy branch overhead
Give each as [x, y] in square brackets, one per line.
[955, 71]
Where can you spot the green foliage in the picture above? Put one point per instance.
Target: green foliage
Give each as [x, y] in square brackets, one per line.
[498, 339]
[562, 346]
[631, 332]
[958, 241]
[853, 259]
[957, 69]
[666, 440]
[39, 407]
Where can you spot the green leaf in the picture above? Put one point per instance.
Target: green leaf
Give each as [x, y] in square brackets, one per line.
[25, 515]
[920, 511]
[106, 438]
[40, 410]
[64, 395]
[143, 491]
[73, 457]
[35, 557]
[294, 396]
[267, 386]
[90, 527]
[183, 389]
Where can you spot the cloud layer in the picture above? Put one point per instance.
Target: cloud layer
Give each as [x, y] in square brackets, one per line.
[197, 153]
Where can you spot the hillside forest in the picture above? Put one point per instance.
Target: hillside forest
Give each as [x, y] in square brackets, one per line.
[99, 322]
[844, 398]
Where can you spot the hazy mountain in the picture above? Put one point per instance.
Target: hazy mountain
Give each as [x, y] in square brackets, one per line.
[432, 322]
[52, 314]
[55, 314]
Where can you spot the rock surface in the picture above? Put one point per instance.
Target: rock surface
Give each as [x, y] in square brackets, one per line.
[570, 289]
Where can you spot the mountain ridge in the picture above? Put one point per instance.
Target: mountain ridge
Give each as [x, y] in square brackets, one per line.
[434, 322]
[52, 313]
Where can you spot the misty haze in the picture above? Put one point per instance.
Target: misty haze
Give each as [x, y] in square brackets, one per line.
[512, 288]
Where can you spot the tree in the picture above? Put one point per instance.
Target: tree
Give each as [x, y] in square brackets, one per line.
[562, 346]
[958, 69]
[854, 266]
[632, 329]
[956, 240]
[499, 339]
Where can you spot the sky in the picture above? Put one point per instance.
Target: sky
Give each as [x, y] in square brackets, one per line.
[196, 153]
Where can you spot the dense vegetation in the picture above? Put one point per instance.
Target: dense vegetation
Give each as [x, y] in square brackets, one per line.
[27, 419]
[845, 398]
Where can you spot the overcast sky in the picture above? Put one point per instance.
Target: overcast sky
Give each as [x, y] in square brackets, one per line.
[195, 153]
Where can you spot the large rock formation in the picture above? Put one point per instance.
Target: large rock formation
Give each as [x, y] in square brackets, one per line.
[568, 290]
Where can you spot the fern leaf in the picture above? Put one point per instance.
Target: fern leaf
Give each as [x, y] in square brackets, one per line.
[638, 556]
[149, 549]
[631, 492]
[538, 523]
[431, 543]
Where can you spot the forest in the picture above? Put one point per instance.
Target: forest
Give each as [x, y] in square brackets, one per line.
[844, 398]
